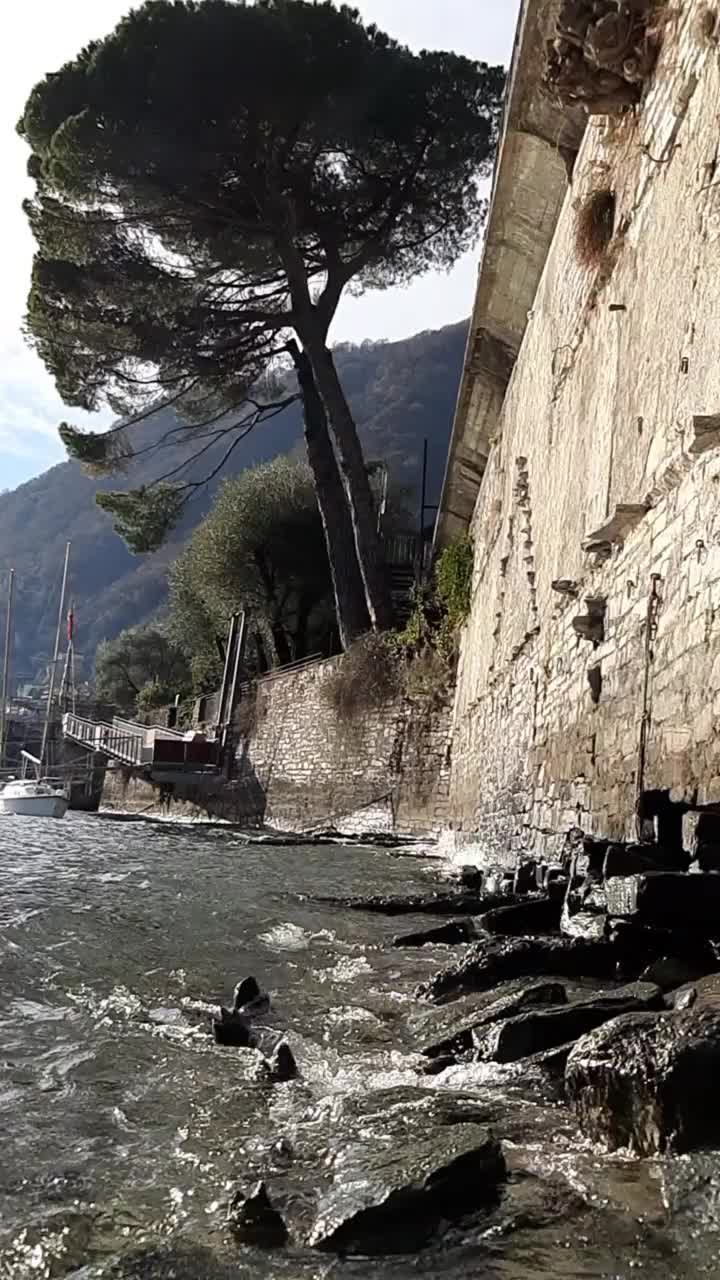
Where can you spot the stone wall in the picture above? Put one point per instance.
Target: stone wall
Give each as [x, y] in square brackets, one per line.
[300, 765]
[553, 729]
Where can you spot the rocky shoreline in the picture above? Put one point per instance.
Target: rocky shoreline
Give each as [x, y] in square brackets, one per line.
[587, 972]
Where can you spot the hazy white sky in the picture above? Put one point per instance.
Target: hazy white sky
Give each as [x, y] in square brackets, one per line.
[43, 35]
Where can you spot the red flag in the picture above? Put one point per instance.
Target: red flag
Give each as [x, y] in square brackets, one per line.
[70, 625]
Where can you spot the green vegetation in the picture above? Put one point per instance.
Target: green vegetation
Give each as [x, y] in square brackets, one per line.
[419, 661]
[205, 196]
[141, 669]
[262, 549]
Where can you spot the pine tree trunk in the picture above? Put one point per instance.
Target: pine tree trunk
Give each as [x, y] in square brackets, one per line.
[348, 587]
[355, 483]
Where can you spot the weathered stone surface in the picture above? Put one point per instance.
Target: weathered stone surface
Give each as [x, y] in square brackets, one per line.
[538, 915]
[637, 946]
[666, 898]
[487, 963]
[458, 1037]
[648, 1081]
[400, 1163]
[670, 972]
[453, 932]
[703, 992]
[541, 1029]
[636, 859]
[253, 1219]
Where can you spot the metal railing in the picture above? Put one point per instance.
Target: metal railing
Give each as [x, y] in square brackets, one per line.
[119, 741]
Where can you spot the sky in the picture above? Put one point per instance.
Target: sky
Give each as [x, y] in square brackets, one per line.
[43, 35]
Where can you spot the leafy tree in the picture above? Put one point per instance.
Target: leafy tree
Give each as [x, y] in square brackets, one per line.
[261, 549]
[136, 659]
[211, 178]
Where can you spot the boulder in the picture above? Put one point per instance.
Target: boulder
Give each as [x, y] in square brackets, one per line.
[458, 1037]
[648, 1081]
[249, 1000]
[232, 1029]
[537, 915]
[670, 972]
[436, 1066]
[400, 1163]
[253, 1219]
[637, 859]
[471, 877]
[637, 946]
[487, 963]
[452, 932]
[282, 1063]
[705, 992]
[541, 1029]
[669, 899]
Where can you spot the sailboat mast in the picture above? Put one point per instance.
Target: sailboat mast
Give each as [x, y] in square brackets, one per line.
[6, 665]
[56, 654]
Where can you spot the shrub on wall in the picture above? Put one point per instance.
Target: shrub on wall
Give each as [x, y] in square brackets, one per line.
[367, 677]
[594, 225]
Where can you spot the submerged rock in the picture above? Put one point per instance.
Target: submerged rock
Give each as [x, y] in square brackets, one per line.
[538, 915]
[282, 1063]
[253, 1219]
[402, 1162]
[648, 1081]
[454, 931]
[439, 904]
[459, 1030]
[540, 1029]
[232, 1029]
[249, 999]
[487, 963]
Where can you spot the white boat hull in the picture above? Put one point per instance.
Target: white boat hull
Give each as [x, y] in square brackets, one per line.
[32, 802]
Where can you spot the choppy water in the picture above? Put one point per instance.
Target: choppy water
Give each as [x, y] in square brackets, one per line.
[123, 1128]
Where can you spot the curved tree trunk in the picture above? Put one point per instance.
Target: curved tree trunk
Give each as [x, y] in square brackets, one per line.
[355, 482]
[348, 586]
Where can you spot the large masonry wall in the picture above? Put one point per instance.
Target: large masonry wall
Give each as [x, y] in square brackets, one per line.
[615, 366]
[300, 765]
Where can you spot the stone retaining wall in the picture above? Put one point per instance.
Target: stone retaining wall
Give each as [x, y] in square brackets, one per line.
[553, 726]
[300, 765]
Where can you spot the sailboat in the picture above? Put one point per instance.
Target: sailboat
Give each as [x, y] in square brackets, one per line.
[32, 797]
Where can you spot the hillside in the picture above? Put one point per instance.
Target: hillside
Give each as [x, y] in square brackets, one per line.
[401, 392]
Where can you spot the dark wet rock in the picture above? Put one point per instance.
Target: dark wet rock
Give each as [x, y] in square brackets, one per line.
[670, 972]
[540, 1029]
[254, 1220]
[439, 904]
[400, 1164]
[525, 879]
[437, 1065]
[487, 963]
[551, 1062]
[648, 1081]
[637, 946]
[245, 992]
[669, 899]
[638, 859]
[249, 999]
[705, 991]
[458, 1036]
[232, 1029]
[471, 877]
[452, 932]
[538, 915]
[282, 1063]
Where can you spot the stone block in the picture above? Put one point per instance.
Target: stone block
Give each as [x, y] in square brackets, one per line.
[670, 899]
